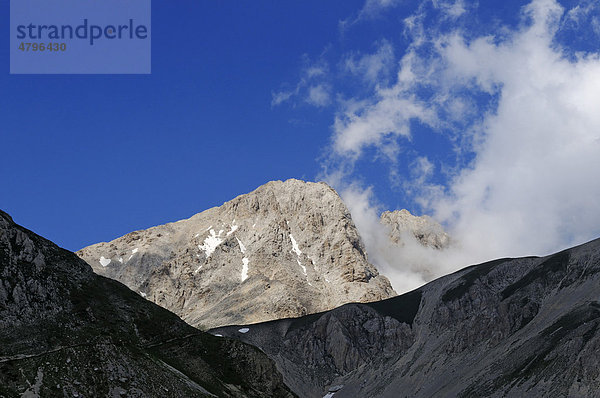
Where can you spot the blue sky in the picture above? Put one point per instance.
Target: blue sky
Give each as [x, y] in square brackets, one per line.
[88, 158]
[481, 115]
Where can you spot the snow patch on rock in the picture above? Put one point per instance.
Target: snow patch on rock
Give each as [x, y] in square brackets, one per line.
[298, 252]
[295, 247]
[244, 269]
[234, 228]
[212, 241]
[245, 260]
[242, 247]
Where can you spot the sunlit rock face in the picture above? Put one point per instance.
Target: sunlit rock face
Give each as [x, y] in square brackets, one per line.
[426, 230]
[286, 249]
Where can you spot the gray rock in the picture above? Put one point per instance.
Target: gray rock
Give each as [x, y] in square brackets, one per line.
[287, 249]
[506, 328]
[65, 331]
[427, 231]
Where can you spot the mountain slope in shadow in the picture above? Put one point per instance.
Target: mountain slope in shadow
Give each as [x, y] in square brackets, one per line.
[510, 327]
[65, 331]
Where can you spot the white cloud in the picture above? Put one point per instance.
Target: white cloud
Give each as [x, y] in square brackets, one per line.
[372, 68]
[317, 70]
[582, 11]
[280, 97]
[531, 186]
[370, 10]
[377, 123]
[319, 95]
[312, 88]
[587, 12]
[407, 266]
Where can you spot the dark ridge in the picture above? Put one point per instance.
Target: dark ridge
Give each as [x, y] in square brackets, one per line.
[85, 318]
[468, 279]
[554, 263]
[303, 321]
[5, 215]
[292, 323]
[403, 308]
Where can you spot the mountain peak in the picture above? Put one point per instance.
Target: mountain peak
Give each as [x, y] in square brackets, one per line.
[424, 228]
[290, 245]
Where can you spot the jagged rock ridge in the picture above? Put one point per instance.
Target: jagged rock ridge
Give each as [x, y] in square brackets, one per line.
[286, 249]
[65, 331]
[506, 328]
[427, 231]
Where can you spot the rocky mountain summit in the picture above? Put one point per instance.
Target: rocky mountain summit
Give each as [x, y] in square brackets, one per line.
[507, 328]
[286, 249]
[67, 332]
[427, 231]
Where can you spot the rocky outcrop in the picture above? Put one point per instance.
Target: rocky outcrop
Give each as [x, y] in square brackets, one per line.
[506, 328]
[65, 331]
[287, 249]
[315, 352]
[427, 231]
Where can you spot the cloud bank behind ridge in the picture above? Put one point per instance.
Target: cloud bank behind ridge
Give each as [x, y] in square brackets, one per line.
[520, 110]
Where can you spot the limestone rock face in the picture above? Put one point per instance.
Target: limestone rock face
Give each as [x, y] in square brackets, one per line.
[426, 230]
[286, 249]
